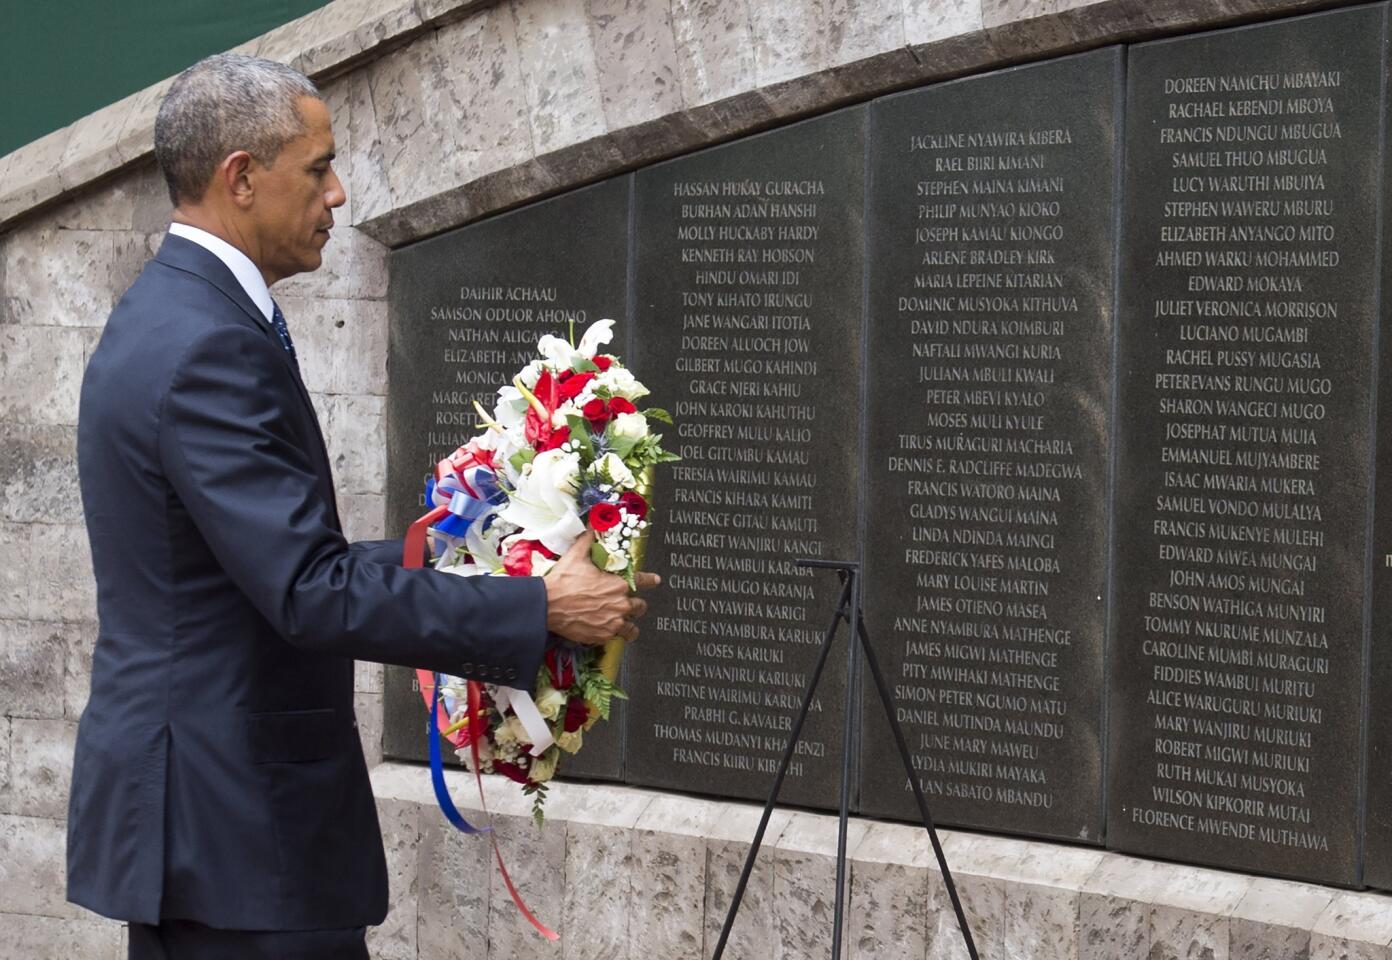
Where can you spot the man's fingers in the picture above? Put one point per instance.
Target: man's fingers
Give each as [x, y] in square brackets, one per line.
[647, 581]
[637, 608]
[582, 543]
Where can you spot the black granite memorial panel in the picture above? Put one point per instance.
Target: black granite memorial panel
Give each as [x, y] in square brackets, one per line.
[748, 274]
[1246, 333]
[990, 319]
[1378, 840]
[466, 309]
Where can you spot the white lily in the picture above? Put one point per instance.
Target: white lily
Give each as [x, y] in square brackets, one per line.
[556, 350]
[596, 335]
[543, 504]
[485, 547]
[510, 408]
[562, 354]
[463, 570]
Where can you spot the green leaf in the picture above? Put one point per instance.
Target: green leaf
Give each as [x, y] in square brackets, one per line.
[583, 365]
[623, 446]
[599, 555]
[537, 791]
[600, 691]
[521, 458]
[657, 413]
[580, 433]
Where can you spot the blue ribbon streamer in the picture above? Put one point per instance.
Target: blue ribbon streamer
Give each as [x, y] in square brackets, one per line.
[437, 771]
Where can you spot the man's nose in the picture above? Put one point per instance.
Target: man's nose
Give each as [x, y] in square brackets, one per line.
[335, 196]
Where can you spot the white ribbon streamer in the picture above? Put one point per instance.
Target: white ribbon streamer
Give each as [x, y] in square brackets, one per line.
[526, 710]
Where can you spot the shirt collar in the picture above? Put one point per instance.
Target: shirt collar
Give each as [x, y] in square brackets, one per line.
[239, 263]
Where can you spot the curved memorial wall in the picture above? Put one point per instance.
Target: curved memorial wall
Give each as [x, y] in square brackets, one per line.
[1080, 359]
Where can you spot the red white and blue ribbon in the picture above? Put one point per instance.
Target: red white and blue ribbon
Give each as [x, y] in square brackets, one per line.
[463, 492]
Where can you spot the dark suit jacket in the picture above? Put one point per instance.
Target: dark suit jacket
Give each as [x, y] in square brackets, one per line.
[218, 775]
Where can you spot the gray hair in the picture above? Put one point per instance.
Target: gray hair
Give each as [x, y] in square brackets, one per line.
[222, 104]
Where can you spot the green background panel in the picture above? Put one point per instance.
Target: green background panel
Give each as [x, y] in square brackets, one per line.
[61, 61]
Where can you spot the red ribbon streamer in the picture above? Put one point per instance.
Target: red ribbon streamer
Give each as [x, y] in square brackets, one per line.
[413, 557]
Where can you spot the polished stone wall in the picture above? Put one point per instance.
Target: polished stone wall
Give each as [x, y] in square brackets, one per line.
[445, 111]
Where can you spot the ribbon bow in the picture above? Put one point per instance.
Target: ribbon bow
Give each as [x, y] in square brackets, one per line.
[462, 491]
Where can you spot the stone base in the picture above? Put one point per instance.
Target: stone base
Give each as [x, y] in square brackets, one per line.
[621, 872]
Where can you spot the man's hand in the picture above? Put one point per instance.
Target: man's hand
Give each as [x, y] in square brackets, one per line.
[589, 606]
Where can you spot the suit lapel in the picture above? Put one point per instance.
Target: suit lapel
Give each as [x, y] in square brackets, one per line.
[185, 255]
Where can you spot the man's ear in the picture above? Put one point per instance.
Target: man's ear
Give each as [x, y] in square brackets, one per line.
[234, 174]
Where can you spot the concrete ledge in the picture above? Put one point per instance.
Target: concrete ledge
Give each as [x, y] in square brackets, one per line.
[644, 873]
[497, 102]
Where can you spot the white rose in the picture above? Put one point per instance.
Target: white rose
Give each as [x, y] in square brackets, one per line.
[550, 702]
[544, 766]
[617, 470]
[620, 383]
[630, 426]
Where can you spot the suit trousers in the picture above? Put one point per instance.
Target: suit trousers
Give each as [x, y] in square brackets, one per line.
[186, 940]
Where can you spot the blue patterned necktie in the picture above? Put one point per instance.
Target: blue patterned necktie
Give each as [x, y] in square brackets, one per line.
[283, 332]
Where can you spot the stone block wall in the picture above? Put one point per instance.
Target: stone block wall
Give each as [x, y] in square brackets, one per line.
[627, 874]
[446, 111]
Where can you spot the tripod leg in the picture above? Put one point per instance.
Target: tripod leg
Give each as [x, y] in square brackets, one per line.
[782, 770]
[927, 817]
[847, 752]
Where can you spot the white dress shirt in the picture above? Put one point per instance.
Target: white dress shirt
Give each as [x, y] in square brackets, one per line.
[239, 263]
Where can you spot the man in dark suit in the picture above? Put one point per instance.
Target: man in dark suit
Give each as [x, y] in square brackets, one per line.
[220, 801]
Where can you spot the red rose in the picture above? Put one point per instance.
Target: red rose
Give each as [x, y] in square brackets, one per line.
[510, 770]
[603, 362]
[596, 411]
[518, 561]
[577, 712]
[562, 669]
[572, 386]
[634, 504]
[604, 516]
[552, 442]
[619, 405]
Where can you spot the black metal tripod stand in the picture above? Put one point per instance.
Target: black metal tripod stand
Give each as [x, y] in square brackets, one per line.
[847, 609]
